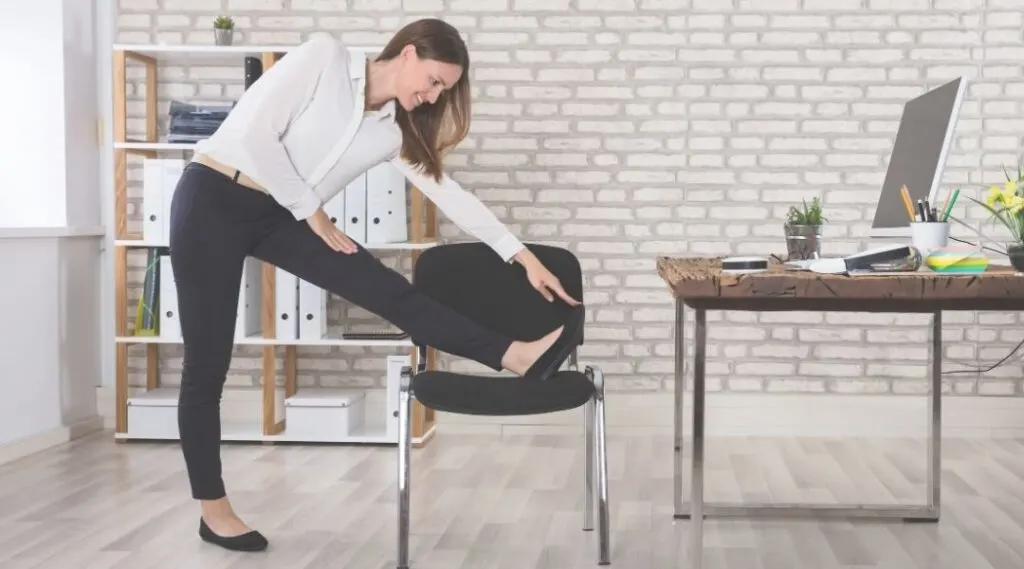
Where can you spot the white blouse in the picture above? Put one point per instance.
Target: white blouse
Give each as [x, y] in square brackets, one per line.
[302, 132]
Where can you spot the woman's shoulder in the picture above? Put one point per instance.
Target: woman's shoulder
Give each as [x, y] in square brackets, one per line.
[325, 43]
[333, 48]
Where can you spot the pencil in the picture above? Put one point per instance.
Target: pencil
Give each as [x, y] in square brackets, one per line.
[906, 201]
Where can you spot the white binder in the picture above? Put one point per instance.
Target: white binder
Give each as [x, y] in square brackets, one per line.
[159, 179]
[355, 209]
[385, 205]
[170, 326]
[286, 297]
[312, 311]
[335, 209]
[153, 201]
[250, 300]
[394, 378]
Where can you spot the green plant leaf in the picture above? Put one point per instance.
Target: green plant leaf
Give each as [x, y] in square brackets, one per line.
[1013, 222]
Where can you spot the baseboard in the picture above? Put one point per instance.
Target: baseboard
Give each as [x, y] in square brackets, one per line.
[33, 444]
[54, 437]
[730, 414]
[85, 427]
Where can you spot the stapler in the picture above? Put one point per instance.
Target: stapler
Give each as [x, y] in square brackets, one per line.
[890, 258]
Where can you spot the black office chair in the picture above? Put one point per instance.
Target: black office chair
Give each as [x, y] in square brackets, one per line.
[472, 279]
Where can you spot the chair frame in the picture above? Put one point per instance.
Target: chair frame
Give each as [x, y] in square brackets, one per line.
[594, 444]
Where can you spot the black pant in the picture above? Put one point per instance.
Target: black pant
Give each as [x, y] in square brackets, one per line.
[215, 224]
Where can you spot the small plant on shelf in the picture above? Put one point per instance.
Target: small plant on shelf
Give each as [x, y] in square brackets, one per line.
[803, 230]
[223, 29]
[1005, 203]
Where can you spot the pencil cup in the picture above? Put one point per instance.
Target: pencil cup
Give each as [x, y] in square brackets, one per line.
[929, 236]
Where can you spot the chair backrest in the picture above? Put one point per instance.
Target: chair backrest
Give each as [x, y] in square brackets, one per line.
[473, 280]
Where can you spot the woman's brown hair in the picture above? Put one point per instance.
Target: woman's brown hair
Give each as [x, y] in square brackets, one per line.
[430, 131]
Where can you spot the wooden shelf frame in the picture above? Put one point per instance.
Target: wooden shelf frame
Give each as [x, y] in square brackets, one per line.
[422, 229]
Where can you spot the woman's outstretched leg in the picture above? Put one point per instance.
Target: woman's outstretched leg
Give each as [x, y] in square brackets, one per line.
[363, 280]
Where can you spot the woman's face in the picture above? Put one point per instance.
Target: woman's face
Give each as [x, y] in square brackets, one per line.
[421, 81]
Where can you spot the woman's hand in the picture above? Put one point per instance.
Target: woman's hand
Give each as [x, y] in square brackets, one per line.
[542, 279]
[330, 233]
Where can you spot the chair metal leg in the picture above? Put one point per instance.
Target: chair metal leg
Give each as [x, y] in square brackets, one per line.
[588, 452]
[404, 443]
[588, 467]
[604, 557]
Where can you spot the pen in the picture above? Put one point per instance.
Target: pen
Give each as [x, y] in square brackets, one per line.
[921, 211]
[949, 208]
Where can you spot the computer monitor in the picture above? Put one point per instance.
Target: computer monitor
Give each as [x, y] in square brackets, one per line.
[918, 156]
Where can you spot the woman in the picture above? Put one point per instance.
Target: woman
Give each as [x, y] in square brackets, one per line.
[314, 121]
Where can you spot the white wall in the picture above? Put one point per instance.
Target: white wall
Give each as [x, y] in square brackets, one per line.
[50, 217]
[81, 143]
[49, 353]
[30, 331]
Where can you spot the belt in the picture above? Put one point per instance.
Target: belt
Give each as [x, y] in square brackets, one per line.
[235, 174]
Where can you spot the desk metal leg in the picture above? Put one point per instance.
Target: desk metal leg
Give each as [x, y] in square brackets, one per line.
[697, 480]
[927, 511]
[935, 423]
[680, 386]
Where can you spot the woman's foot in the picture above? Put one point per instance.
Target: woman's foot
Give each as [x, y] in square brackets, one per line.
[220, 525]
[521, 355]
[541, 358]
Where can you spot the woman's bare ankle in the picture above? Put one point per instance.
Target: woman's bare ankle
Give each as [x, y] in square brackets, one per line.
[521, 355]
[513, 358]
[221, 518]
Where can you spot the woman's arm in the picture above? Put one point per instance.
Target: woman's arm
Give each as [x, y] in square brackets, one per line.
[464, 209]
[282, 93]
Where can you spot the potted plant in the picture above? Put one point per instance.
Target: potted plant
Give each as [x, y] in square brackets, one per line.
[223, 30]
[803, 230]
[1006, 204]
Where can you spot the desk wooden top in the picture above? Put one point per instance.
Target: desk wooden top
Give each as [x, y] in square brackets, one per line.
[700, 283]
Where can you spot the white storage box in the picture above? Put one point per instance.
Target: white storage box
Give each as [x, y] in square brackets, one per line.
[320, 414]
[153, 414]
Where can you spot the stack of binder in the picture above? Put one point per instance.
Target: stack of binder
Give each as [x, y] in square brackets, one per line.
[192, 123]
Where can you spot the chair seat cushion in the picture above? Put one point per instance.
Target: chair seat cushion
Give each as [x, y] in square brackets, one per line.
[503, 395]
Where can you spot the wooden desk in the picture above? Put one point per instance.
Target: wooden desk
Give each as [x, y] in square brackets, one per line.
[700, 284]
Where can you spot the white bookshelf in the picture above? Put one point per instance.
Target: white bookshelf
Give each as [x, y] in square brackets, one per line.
[257, 340]
[155, 146]
[200, 50]
[153, 417]
[264, 418]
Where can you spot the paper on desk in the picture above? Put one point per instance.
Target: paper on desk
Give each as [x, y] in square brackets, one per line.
[833, 266]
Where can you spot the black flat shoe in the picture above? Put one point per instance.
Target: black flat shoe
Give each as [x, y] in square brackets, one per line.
[549, 362]
[251, 541]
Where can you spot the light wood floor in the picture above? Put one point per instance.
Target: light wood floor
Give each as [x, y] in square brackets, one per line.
[510, 503]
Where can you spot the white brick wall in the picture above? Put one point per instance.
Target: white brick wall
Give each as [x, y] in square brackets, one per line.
[629, 129]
